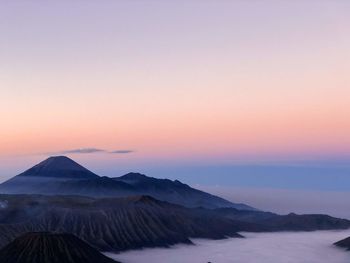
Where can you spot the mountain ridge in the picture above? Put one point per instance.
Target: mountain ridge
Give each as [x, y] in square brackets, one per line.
[61, 175]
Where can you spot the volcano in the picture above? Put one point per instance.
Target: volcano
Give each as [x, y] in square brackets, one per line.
[44, 247]
[60, 167]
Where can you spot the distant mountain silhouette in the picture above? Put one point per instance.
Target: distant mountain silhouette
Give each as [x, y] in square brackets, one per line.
[291, 222]
[47, 247]
[345, 243]
[61, 167]
[62, 176]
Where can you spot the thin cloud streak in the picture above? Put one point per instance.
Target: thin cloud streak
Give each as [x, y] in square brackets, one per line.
[89, 151]
[122, 151]
[82, 150]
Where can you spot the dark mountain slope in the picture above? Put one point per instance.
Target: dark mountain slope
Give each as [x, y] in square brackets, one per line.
[175, 192]
[294, 222]
[290, 222]
[97, 187]
[50, 248]
[62, 176]
[345, 243]
[111, 224]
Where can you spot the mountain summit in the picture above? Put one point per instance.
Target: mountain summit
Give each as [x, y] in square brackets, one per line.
[59, 166]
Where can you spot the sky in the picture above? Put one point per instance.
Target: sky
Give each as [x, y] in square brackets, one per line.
[210, 92]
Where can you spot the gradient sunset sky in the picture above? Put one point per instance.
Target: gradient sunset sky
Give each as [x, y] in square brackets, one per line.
[176, 84]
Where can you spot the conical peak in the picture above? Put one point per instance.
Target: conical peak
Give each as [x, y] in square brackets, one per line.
[44, 247]
[59, 166]
[60, 162]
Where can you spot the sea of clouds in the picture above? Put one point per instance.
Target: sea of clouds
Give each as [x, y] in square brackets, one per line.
[286, 247]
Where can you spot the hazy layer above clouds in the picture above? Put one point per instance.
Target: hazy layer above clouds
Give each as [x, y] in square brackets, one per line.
[284, 201]
[286, 247]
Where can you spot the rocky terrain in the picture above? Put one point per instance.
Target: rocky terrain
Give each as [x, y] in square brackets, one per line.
[43, 247]
[112, 224]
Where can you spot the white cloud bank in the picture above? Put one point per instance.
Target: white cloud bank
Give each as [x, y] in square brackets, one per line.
[286, 247]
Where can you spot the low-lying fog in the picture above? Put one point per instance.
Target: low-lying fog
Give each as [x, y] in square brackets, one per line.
[286, 247]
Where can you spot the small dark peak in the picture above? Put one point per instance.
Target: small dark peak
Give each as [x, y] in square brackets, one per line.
[61, 158]
[59, 166]
[292, 214]
[133, 176]
[179, 183]
[345, 243]
[46, 247]
[104, 179]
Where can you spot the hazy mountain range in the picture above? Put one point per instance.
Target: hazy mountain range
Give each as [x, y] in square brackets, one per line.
[62, 176]
[131, 211]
